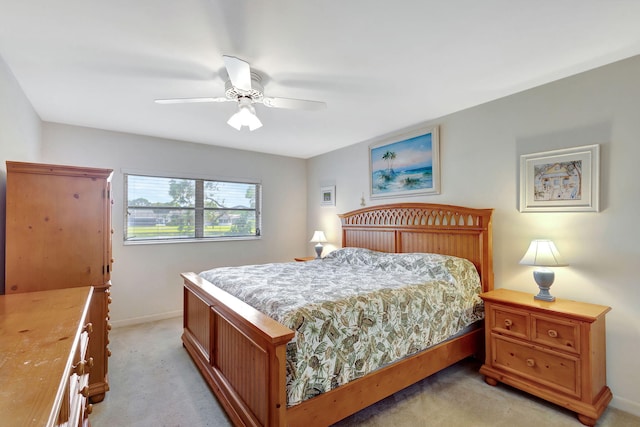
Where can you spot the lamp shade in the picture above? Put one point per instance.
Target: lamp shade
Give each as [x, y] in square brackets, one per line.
[318, 237]
[542, 253]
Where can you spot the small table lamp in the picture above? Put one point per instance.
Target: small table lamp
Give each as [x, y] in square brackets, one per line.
[319, 238]
[543, 254]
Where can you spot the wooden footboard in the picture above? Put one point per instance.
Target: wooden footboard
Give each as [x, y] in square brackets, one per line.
[239, 351]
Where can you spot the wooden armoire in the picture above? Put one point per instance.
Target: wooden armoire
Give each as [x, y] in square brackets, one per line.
[58, 235]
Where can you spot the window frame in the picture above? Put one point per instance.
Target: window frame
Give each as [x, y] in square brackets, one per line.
[198, 208]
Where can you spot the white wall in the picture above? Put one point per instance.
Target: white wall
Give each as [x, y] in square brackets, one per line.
[146, 282]
[480, 149]
[19, 139]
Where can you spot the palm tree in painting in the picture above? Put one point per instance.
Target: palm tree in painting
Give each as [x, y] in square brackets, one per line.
[389, 174]
[389, 156]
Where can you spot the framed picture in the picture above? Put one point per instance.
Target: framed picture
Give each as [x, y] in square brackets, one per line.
[406, 165]
[328, 195]
[564, 180]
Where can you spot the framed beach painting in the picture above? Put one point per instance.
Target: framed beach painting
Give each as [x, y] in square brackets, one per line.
[564, 180]
[406, 165]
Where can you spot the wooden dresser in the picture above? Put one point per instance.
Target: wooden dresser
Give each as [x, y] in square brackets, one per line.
[43, 360]
[554, 350]
[58, 235]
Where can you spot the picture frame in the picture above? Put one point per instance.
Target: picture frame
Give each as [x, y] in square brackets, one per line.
[565, 180]
[328, 195]
[405, 165]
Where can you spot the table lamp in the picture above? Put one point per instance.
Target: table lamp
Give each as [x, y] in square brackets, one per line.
[543, 254]
[319, 238]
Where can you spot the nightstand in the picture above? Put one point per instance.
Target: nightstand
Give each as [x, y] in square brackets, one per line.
[305, 258]
[554, 350]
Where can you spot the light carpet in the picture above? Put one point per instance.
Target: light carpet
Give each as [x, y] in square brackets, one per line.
[154, 383]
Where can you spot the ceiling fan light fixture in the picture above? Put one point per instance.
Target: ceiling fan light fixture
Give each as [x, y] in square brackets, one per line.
[244, 87]
[246, 116]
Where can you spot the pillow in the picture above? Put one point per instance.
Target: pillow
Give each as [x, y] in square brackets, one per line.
[355, 256]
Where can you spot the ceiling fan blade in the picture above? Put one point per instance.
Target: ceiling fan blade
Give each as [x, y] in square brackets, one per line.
[191, 100]
[239, 72]
[295, 104]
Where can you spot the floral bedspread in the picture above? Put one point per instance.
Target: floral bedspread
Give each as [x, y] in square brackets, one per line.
[356, 310]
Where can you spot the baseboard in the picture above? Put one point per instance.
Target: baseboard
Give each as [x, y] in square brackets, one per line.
[145, 319]
[626, 405]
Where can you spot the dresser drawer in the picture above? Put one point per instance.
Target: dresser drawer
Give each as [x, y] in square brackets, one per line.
[509, 321]
[555, 370]
[558, 333]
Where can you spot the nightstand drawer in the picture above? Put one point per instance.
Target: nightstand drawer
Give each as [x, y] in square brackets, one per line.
[509, 321]
[557, 333]
[554, 370]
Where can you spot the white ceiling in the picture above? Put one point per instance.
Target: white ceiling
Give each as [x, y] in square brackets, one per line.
[380, 66]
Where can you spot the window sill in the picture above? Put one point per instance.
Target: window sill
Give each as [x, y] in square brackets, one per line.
[203, 240]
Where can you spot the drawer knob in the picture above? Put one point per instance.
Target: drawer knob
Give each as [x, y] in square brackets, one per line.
[79, 368]
[552, 333]
[88, 328]
[89, 408]
[531, 363]
[508, 323]
[84, 391]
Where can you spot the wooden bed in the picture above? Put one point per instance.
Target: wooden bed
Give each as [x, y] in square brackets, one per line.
[241, 352]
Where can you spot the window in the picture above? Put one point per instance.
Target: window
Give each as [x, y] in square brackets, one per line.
[164, 208]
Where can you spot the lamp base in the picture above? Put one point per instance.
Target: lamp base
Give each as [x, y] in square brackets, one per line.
[544, 295]
[544, 278]
[318, 249]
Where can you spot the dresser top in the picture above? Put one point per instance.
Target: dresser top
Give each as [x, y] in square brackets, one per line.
[39, 331]
[47, 169]
[568, 308]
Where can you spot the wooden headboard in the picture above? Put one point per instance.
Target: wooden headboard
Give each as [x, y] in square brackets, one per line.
[423, 227]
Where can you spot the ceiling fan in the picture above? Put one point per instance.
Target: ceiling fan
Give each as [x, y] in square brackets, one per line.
[244, 87]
